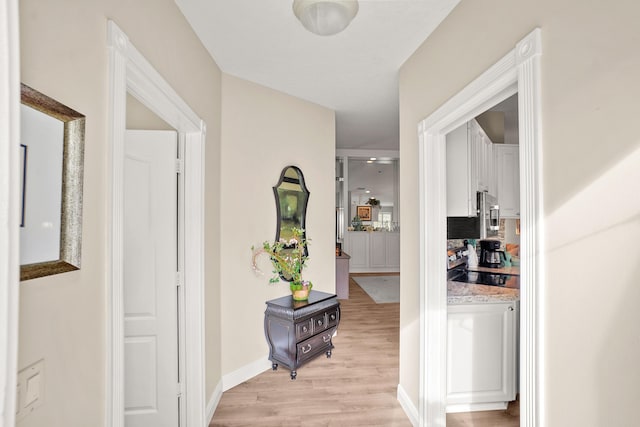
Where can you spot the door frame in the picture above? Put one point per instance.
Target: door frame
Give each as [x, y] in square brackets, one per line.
[345, 154]
[130, 72]
[518, 71]
[9, 189]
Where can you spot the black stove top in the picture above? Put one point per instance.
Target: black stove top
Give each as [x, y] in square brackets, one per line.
[484, 278]
[457, 259]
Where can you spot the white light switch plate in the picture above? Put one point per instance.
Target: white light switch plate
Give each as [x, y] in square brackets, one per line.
[32, 392]
[30, 389]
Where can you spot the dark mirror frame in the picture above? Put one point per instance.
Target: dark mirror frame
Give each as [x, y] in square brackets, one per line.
[302, 202]
[72, 179]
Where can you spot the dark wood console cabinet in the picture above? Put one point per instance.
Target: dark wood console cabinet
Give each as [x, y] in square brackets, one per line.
[300, 331]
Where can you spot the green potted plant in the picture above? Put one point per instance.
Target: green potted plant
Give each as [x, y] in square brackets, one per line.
[288, 259]
[356, 223]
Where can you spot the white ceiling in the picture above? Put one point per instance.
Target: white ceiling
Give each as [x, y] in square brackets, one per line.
[354, 72]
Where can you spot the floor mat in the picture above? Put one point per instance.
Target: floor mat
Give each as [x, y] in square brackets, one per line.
[381, 289]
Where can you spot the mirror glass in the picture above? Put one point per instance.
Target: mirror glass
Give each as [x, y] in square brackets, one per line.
[51, 171]
[292, 197]
[372, 195]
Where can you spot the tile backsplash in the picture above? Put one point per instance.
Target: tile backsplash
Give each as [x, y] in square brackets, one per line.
[506, 234]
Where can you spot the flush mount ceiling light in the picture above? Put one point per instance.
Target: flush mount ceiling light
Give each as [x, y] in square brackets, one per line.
[325, 17]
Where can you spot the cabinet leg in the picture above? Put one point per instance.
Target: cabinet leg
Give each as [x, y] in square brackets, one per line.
[274, 366]
[294, 374]
[328, 354]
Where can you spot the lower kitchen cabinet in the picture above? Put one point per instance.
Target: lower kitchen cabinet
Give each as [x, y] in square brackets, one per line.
[358, 248]
[299, 331]
[377, 251]
[481, 356]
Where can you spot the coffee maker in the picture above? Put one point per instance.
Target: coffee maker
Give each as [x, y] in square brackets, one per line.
[490, 254]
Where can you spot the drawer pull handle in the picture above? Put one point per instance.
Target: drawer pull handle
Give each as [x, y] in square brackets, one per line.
[305, 329]
[319, 322]
[326, 338]
[307, 350]
[332, 317]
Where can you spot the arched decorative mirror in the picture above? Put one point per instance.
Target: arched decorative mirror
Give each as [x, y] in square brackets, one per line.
[292, 197]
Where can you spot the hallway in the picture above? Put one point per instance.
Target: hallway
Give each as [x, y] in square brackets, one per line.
[355, 387]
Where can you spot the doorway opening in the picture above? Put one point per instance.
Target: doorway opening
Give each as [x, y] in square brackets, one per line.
[130, 73]
[518, 71]
[368, 210]
[483, 264]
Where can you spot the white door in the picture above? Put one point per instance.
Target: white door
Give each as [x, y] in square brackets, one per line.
[150, 292]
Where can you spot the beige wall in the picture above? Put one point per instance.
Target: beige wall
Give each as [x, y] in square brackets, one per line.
[141, 118]
[590, 144]
[262, 132]
[62, 318]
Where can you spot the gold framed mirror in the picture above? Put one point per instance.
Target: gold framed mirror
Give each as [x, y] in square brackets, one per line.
[52, 169]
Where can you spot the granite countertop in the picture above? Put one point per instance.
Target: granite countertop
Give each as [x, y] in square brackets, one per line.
[502, 270]
[466, 293]
[384, 230]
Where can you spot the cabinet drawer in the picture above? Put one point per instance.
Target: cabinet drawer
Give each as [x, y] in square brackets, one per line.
[325, 320]
[314, 345]
[304, 329]
[333, 317]
[319, 322]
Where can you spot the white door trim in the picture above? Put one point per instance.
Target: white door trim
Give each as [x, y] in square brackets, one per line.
[518, 71]
[130, 72]
[9, 230]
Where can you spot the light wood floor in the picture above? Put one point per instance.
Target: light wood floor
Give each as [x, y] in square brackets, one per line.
[482, 419]
[357, 386]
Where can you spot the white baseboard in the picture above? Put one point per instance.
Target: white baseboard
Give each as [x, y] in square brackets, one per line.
[390, 270]
[408, 406]
[473, 407]
[245, 373]
[233, 379]
[213, 402]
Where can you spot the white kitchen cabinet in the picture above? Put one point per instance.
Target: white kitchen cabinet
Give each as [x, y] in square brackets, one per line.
[393, 250]
[358, 248]
[469, 168]
[483, 158]
[377, 251]
[481, 356]
[507, 169]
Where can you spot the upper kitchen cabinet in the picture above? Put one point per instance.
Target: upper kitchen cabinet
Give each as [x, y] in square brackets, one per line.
[469, 168]
[484, 157]
[507, 169]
